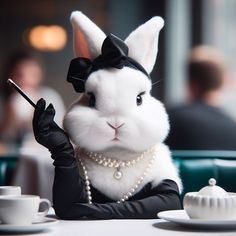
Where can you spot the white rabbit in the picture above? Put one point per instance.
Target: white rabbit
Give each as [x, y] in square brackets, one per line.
[124, 120]
[120, 167]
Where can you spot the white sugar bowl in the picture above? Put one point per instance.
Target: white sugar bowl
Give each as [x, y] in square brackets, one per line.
[211, 202]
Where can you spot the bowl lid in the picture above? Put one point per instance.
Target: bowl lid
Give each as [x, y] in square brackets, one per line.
[213, 190]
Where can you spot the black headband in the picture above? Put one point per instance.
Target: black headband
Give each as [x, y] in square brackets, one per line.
[114, 54]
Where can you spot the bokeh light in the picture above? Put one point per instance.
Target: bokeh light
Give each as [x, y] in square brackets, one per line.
[47, 38]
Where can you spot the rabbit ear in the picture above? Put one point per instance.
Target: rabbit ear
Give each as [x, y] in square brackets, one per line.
[143, 42]
[88, 37]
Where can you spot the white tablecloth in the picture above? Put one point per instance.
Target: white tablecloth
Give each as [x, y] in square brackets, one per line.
[35, 172]
[155, 227]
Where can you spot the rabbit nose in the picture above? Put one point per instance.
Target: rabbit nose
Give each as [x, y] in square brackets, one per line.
[115, 126]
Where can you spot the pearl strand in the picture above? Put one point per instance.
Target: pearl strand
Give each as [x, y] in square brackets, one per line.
[87, 182]
[139, 180]
[125, 196]
[113, 163]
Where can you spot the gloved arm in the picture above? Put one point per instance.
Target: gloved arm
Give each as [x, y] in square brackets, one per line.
[67, 181]
[51, 136]
[166, 197]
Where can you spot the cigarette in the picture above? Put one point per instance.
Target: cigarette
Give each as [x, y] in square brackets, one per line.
[19, 90]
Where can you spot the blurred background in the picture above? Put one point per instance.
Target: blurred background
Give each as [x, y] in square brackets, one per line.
[43, 27]
[187, 23]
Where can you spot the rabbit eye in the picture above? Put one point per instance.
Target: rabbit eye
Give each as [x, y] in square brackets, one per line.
[92, 99]
[139, 99]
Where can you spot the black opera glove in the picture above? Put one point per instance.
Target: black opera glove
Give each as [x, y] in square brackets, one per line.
[48, 133]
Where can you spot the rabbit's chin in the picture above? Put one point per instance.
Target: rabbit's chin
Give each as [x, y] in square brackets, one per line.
[114, 146]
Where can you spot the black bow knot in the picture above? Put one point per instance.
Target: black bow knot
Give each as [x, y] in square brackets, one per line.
[114, 55]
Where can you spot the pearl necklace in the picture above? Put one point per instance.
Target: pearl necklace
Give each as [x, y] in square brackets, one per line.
[125, 196]
[113, 163]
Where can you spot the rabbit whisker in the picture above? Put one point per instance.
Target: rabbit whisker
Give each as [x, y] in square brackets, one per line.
[72, 77]
[157, 82]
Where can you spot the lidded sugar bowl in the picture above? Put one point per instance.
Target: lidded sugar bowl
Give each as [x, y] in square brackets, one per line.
[211, 202]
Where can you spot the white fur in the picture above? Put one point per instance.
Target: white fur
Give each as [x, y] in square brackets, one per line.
[143, 126]
[143, 42]
[88, 37]
[116, 91]
[102, 177]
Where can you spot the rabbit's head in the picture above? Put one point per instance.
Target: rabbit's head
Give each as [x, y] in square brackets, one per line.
[116, 109]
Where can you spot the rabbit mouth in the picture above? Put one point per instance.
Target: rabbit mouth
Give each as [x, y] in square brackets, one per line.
[116, 128]
[115, 139]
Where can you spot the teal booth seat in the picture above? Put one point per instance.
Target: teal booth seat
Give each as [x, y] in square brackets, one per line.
[7, 167]
[197, 167]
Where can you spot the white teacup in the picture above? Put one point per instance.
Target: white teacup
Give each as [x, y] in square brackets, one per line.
[10, 190]
[22, 209]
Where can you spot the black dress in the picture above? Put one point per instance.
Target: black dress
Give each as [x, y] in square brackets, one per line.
[70, 197]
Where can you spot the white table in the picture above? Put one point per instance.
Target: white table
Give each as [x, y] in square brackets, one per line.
[38, 166]
[155, 227]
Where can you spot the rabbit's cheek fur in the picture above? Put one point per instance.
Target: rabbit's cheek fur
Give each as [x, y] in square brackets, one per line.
[116, 92]
[142, 128]
[146, 128]
[86, 128]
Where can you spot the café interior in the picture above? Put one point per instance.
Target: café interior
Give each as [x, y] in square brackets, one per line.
[36, 47]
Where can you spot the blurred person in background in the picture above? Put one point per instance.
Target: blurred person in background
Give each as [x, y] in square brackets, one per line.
[16, 113]
[201, 124]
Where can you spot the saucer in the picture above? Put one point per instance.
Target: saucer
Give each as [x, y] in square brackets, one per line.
[34, 227]
[180, 217]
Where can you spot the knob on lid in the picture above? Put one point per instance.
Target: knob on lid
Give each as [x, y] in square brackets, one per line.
[213, 190]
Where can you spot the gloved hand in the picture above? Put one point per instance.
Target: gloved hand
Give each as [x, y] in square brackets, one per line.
[48, 133]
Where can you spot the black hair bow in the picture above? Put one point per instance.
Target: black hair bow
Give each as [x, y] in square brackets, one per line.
[114, 55]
